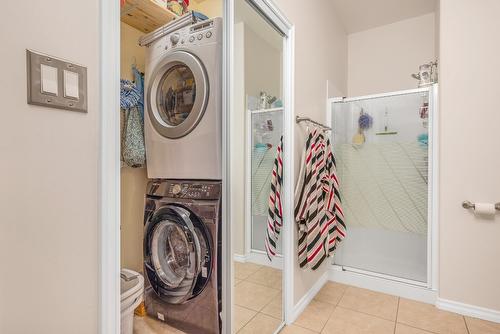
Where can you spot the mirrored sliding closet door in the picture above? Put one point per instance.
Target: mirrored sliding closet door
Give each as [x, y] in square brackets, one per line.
[256, 130]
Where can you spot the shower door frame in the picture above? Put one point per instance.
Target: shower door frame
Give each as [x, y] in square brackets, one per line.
[252, 254]
[383, 282]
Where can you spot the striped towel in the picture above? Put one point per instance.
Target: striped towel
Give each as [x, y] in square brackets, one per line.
[275, 212]
[318, 212]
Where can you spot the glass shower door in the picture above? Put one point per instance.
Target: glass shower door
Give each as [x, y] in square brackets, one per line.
[382, 150]
[266, 131]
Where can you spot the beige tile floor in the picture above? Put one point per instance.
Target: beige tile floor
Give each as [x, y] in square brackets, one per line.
[336, 309]
[257, 298]
[342, 309]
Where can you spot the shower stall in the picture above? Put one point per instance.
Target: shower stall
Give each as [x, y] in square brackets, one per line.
[264, 130]
[386, 161]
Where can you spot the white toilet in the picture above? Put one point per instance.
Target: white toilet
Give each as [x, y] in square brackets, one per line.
[131, 295]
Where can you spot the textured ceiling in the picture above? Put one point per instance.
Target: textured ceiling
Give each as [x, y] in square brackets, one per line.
[359, 15]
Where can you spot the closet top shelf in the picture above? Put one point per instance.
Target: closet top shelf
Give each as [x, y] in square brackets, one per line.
[146, 15]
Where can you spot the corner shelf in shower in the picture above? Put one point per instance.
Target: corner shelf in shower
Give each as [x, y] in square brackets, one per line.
[146, 15]
[259, 111]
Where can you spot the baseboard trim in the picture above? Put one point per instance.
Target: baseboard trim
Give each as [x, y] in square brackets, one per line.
[260, 258]
[308, 297]
[240, 258]
[383, 285]
[468, 310]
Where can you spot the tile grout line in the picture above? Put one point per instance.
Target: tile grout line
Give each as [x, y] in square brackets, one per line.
[466, 325]
[311, 330]
[371, 315]
[259, 284]
[334, 307]
[397, 313]
[329, 317]
[421, 329]
[246, 323]
[259, 311]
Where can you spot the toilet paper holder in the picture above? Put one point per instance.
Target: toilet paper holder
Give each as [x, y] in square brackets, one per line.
[470, 205]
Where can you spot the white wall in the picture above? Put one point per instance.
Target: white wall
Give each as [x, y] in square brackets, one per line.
[48, 176]
[470, 82]
[320, 57]
[383, 58]
[262, 64]
[210, 8]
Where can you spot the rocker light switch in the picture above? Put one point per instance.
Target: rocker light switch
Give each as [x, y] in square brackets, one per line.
[56, 83]
[49, 79]
[71, 84]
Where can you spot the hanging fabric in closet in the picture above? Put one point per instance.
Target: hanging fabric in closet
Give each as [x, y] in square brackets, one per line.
[275, 211]
[133, 151]
[139, 84]
[318, 211]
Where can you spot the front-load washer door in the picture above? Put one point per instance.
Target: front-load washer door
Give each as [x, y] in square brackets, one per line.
[177, 94]
[176, 254]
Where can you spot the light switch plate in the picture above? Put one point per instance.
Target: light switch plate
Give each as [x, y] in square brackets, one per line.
[71, 83]
[49, 80]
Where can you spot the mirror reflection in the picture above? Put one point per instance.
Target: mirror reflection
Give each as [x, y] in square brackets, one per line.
[256, 131]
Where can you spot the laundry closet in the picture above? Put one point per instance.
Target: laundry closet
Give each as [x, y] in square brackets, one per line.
[327, 143]
[188, 90]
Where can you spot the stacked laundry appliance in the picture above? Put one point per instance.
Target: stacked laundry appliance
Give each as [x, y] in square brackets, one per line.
[183, 134]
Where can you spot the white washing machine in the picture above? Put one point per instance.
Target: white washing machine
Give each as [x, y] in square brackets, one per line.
[183, 99]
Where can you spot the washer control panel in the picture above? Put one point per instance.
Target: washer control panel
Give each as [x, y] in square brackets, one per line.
[201, 190]
[201, 33]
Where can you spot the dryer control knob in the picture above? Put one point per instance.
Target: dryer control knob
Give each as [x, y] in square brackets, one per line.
[174, 38]
[176, 189]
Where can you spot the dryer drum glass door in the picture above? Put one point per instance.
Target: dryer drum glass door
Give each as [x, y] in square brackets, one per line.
[177, 94]
[177, 250]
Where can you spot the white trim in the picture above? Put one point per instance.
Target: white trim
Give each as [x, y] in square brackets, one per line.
[468, 310]
[384, 285]
[109, 169]
[274, 16]
[248, 182]
[260, 257]
[379, 275]
[289, 156]
[434, 171]
[308, 297]
[227, 100]
[261, 111]
[282, 325]
[388, 94]
[240, 258]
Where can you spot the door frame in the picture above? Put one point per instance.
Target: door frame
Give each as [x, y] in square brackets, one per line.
[407, 288]
[275, 17]
[109, 170]
[109, 162]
